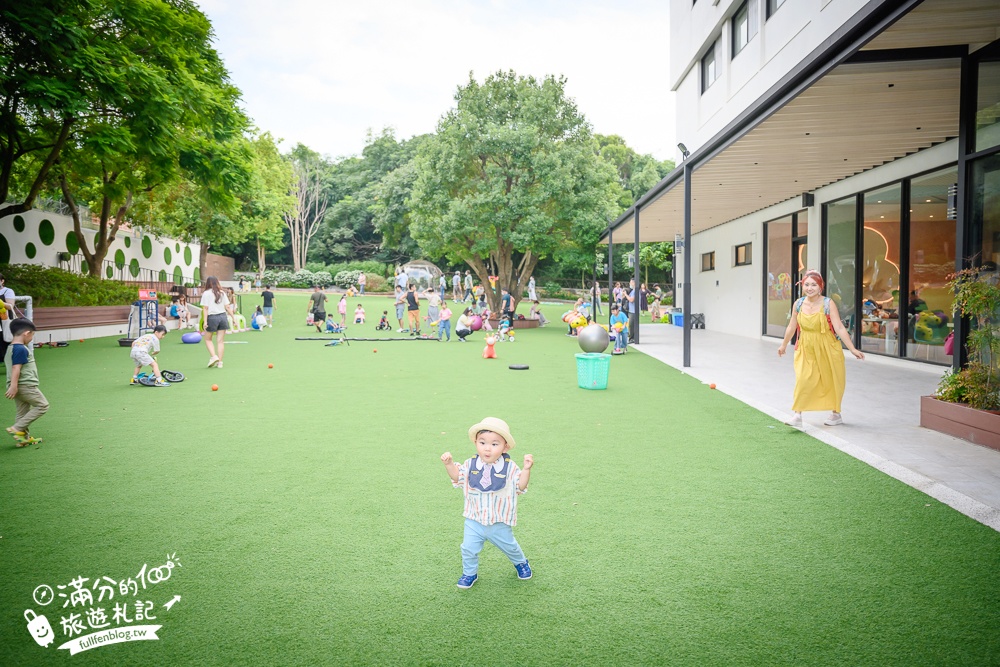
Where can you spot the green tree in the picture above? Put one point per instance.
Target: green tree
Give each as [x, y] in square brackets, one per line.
[512, 176]
[129, 145]
[269, 197]
[636, 173]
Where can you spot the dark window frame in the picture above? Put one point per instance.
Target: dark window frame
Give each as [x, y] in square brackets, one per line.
[749, 18]
[748, 259]
[703, 66]
[710, 256]
[772, 7]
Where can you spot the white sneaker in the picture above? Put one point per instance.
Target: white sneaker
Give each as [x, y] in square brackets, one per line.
[399, 331]
[834, 419]
[219, 365]
[795, 421]
[213, 361]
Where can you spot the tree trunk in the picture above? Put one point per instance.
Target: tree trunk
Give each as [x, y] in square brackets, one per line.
[106, 233]
[203, 260]
[261, 258]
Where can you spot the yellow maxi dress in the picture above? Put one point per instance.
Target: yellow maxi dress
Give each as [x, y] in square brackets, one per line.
[819, 366]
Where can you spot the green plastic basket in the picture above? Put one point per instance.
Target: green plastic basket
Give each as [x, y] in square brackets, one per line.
[592, 370]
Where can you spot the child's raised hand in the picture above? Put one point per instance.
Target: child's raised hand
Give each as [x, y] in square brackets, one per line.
[446, 458]
[529, 461]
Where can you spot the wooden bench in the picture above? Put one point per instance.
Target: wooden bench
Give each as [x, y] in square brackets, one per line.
[75, 317]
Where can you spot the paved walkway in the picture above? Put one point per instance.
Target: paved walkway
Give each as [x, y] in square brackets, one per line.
[881, 413]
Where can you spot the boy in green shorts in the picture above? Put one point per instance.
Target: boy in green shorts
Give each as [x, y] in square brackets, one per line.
[22, 382]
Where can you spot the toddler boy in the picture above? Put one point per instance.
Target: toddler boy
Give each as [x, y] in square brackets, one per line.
[144, 348]
[491, 483]
[22, 382]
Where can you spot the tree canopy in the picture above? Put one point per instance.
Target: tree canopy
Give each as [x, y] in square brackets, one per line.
[512, 175]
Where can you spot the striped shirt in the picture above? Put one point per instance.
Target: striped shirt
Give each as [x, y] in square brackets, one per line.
[495, 506]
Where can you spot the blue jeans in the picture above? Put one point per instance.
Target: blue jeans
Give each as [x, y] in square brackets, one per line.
[444, 327]
[476, 535]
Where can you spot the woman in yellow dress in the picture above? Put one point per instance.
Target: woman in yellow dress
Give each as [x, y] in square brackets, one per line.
[819, 357]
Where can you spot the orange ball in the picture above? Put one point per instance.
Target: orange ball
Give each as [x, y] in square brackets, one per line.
[81, 340]
[711, 386]
[374, 350]
[270, 365]
[215, 387]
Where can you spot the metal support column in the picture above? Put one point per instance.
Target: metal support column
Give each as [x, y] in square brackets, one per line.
[637, 302]
[687, 264]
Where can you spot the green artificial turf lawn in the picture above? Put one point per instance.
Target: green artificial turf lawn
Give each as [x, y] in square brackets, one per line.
[315, 524]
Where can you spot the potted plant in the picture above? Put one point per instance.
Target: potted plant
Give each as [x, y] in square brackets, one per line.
[967, 401]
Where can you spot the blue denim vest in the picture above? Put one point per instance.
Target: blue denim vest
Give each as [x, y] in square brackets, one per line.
[498, 479]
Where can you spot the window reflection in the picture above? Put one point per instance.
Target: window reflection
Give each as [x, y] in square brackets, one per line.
[932, 259]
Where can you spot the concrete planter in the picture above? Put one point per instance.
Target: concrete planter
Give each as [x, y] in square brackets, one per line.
[961, 421]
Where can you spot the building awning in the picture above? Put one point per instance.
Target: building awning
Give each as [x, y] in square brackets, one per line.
[897, 95]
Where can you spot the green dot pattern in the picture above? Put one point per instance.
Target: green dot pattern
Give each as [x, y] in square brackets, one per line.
[18, 224]
[178, 276]
[167, 256]
[4, 250]
[187, 255]
[46, 232]
[147, 247]
[128, 242]
[30, 250]
[72, 245]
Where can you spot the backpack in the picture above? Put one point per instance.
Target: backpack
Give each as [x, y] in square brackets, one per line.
[826, 311]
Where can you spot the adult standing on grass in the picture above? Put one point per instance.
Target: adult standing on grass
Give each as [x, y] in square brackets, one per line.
[413, 310]
[631, 298]
[217, 309]
[442, 286]
[362, 282]
[317, 306]
[456, 286]
[402, 279]
[400, 307]
[596, 299]
[468, 286]
[269, 300]
[820, 377]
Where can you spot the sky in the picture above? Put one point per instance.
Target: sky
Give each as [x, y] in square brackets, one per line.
[325, 72]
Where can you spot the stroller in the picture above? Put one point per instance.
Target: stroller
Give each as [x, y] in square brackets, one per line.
[383, 324]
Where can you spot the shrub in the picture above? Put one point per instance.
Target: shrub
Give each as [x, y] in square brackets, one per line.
[347, 278]
[368, 266]
[376, 283]
[554, 291]
[56, 288]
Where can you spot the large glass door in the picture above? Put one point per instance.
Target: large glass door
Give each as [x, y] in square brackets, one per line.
[780, 277]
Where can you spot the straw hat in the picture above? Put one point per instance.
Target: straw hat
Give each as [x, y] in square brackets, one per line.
[498, 426]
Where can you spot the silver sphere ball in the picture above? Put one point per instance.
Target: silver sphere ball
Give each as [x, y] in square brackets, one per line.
[593, 338]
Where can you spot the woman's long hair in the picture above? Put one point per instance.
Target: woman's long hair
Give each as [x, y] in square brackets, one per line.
[212, 283]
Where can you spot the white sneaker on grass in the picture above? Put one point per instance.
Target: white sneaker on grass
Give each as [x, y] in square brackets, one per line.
[213, 361]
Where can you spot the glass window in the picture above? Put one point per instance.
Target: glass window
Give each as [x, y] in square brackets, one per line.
[932, 258]
[880, 270]
[985, 212]
[779, 276]
[744, 25]
[743, 255]
[708, 261]
[772, 6]
[841, 251]
[801, 220]
[709, 68]
[988, 107]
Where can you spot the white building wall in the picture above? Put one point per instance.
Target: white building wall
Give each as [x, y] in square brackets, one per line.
[25, 239]
[781, 43]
